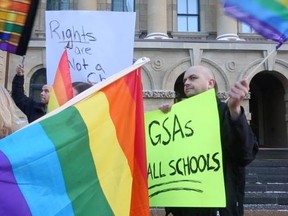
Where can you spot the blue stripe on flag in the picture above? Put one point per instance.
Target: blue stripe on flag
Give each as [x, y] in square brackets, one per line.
[37, 171]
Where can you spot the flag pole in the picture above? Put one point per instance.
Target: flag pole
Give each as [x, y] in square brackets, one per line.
[23, 59]
[95, 88]
[262, 62]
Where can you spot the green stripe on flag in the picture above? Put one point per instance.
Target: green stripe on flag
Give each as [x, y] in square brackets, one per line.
[14, 28]
[69, 134]
[274, 7]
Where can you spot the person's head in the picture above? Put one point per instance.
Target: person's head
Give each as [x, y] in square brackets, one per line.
[79, 87]
[8, 118]
[45, 94]
[198, 79]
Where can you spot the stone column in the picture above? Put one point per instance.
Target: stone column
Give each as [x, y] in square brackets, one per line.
[157, 19]
[226, 26]
[87, 5]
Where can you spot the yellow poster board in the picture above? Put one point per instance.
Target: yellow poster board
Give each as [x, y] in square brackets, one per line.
[184, 157]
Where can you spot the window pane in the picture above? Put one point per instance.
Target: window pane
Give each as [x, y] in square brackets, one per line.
[129, 5]
[246, 28]
[193, 24]
[64, 4]
[182, 7]
[58, 4]
[123, 5]
[182, 24]
[188, 15]
[117, 6]
[193, 7]
[52, 5]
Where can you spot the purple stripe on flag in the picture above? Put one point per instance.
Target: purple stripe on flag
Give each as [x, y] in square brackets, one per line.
[7, 47]
[12, 202]
[259, 26]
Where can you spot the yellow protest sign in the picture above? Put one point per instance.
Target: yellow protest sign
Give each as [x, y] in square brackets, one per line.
[184, 157]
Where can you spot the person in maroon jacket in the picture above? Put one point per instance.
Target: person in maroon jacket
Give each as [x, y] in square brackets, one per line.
[239, 144]
[31, 108]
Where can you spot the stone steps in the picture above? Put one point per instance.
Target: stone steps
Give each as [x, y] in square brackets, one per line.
[267, 184]
[257, 210]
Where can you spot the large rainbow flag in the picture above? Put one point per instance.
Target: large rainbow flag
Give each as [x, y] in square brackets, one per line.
[88, 159]
[61, 90]
[16, 22]
[269, 18]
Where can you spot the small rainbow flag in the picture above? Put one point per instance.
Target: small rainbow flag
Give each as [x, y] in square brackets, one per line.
[269, 18]
[61, 90]
[88, 159]
[16, 22]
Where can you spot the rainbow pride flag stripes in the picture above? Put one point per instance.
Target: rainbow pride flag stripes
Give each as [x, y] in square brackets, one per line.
[88, 159]
[269, 18]
[16, 22]
[61, 90]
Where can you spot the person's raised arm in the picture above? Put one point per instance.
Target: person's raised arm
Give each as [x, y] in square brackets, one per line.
[20, 70]
[18, 93]
[236, 95]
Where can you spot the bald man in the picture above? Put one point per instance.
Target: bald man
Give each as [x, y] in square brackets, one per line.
[239, 145]
[31, 108]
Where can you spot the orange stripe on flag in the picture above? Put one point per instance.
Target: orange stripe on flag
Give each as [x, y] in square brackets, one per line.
[132, 139]
[62, 85]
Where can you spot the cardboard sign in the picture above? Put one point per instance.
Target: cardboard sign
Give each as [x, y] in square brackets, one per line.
[184, 156]
[100, 43]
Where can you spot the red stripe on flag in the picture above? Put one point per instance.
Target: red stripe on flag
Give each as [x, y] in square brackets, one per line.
[139, 200]
[62, 82]
[136, 154]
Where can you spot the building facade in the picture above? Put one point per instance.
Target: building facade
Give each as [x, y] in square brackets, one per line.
[175, 34]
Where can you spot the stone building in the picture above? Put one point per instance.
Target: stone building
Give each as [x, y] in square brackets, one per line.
[176, 34]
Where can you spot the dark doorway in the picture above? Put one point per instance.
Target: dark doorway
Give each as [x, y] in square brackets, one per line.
[179, 88]
[267, 108]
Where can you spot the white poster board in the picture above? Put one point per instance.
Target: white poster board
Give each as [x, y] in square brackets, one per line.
[100, 43]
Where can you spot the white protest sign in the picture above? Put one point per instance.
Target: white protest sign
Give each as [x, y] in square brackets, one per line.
[100, 43]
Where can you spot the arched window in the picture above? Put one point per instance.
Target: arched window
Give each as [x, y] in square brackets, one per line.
[38, 79]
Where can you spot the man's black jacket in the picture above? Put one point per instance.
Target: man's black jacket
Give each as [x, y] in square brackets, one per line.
[239, 148]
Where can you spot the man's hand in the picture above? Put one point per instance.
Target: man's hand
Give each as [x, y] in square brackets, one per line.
[237, 94]
[165, 108]
[20, 70]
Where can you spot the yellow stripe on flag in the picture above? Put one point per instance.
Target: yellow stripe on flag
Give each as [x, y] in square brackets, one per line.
[108, 156]
[283, 2]
[53, 102]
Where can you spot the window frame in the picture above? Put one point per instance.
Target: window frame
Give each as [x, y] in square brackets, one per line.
[188, 15]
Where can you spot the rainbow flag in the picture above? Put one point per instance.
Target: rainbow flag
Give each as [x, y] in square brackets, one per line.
[269, 18]
[16, 22]
[61, 90]
[88, 159]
